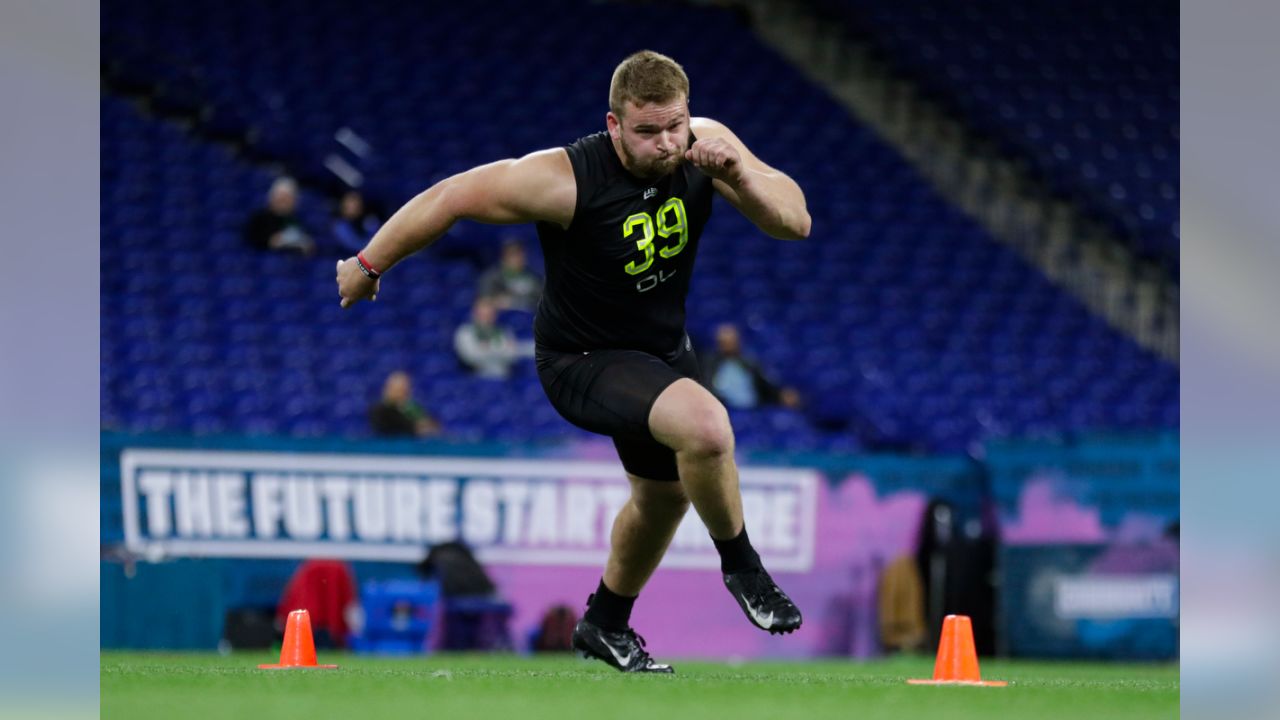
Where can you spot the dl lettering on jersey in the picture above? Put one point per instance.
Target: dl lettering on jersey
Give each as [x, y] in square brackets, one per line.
[181, 503]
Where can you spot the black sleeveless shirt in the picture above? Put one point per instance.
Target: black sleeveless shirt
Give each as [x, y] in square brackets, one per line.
[617, 278]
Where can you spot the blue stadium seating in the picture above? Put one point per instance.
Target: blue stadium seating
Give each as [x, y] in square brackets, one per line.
[900, 320]
[1086, 90]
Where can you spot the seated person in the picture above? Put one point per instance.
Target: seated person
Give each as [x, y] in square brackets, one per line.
[511, 285]
[276, 226]
[397, 415]
[488, 349]
[353, 224]
[737, 380]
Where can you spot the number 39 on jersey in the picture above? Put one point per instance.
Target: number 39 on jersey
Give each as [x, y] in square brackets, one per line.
[671, 224]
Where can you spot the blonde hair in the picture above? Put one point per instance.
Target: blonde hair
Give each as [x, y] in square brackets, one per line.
[646, 77]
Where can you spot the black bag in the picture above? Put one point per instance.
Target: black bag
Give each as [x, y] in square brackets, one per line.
[457, 569]
[250, 628]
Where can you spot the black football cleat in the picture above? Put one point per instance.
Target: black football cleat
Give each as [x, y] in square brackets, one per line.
[623, 650]
[766, 606]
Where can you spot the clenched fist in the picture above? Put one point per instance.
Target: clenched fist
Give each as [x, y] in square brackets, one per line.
[353, 285]
[716, 158]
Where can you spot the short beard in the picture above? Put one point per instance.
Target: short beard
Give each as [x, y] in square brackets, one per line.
[654, 169]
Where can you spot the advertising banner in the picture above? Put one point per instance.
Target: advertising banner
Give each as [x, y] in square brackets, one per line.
[196, 503]
[540, 525]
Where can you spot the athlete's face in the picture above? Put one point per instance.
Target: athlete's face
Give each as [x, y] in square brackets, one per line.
[652, 137]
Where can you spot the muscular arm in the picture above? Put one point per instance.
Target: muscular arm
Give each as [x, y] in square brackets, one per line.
[767, 197]
[537, 187]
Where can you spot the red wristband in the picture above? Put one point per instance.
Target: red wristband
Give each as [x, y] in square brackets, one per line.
[367, 266]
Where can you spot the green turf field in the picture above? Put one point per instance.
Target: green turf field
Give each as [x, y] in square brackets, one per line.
[194, 687]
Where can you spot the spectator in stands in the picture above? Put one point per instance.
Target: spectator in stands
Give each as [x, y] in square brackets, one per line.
[276, 226]
[511, 285]
[737, 380]
[397, 414]
[353, 224]
[483, 346]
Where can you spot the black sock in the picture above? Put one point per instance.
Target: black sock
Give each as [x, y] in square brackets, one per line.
[737, 555]
[608, 609]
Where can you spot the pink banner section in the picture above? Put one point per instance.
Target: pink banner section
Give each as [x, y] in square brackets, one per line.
[688, 613]
[1047, 513]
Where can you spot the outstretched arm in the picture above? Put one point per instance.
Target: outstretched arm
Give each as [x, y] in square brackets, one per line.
[767, 197]
[537, 187]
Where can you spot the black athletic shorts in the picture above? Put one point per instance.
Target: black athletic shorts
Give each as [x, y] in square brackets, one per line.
[611, 392]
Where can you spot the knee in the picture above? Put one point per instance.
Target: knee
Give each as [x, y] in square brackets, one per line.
[668, 500]
[708, 433]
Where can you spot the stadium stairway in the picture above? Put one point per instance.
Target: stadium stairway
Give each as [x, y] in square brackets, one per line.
[1021, 189]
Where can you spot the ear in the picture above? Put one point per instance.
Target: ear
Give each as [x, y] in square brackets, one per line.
[614, 125]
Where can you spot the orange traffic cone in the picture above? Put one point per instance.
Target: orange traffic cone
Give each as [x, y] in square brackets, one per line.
[957, 662]
[299, 649]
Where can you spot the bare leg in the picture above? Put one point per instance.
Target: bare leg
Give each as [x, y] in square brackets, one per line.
[690, 420]
[642, 532]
